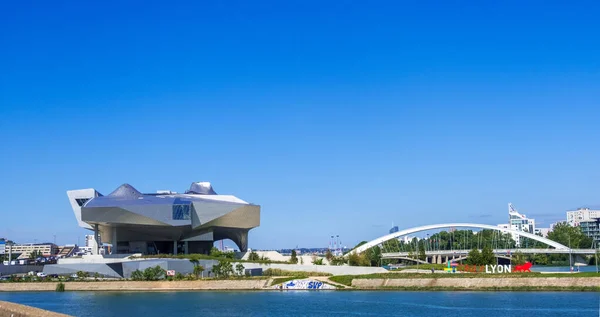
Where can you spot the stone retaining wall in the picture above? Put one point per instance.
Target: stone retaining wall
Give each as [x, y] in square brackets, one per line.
[475, 283]
[139, 286]
[17, 310]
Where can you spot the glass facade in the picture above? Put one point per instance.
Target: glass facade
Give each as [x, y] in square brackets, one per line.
[591, 229]
[81, 201]
[181, 212]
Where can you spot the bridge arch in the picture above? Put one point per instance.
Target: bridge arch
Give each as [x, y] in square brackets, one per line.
[405, 232]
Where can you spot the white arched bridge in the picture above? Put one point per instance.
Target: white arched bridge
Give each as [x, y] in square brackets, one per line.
[556, 247]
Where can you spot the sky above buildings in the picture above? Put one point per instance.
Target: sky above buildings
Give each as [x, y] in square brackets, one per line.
[337, 118]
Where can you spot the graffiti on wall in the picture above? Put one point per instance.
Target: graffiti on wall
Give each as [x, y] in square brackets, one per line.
[304, 284]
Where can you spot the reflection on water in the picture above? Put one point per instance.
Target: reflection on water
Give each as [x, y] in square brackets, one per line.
[308, 303]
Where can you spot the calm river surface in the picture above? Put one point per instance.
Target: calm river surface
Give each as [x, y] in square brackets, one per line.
[311, 303]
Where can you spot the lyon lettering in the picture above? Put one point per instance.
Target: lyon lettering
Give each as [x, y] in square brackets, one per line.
[498, 269]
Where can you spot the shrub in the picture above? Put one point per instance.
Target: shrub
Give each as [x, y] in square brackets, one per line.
[150, 274]
[60, 287]
[317, 261]
[214, 252]
[355, 259]
[293, 258]
[253, 256]
[280, 272]
[338, 260]
[198, 269]
[239, 268]
[265, 259]
[223, 269]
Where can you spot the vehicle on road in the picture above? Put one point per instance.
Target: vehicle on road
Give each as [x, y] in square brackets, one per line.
[42, 274]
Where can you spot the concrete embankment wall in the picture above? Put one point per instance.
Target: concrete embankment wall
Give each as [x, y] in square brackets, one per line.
[139, 286]
[475, 283]
[17, 310]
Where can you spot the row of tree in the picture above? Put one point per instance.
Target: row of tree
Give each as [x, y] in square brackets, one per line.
[223, 269]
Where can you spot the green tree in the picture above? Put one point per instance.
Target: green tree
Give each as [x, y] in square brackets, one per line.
[570, 236]
[487, 256]
[239, 269]
[390, 246]
[223, 269]
[328, 255]
[355, 259]
[474, 257]
[540, 259]
[198, 269]
[214, 252]
[374, 255]
[518, 258]
[294, 258]
[422, 255]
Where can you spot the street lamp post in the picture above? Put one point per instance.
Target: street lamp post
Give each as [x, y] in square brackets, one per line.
[570, 255]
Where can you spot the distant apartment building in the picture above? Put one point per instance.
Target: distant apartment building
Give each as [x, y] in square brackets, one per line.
[518, 222]
[46, 249]
[2, 247]
[574, 217]
[591, 228]
[588, 219]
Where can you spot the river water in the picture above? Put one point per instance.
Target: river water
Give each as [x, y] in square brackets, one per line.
[311, 303]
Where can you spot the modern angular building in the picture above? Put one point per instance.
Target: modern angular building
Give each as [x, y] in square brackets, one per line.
[518, 222]
[164, 222]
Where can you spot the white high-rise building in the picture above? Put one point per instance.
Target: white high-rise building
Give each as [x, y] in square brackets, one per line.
[574, 217]
[518, 222]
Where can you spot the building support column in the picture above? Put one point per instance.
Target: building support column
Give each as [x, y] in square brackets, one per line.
[185, 248]
[95, 250]
[113, 250]
[174, 247]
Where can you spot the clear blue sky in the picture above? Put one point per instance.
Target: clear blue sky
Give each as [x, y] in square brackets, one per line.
[337, 118]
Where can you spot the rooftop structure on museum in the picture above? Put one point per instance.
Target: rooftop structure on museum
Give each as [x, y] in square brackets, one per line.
[164, 222]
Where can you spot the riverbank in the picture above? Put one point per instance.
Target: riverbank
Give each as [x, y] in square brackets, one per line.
[418, 283]
[482, 284]
[246, 284]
